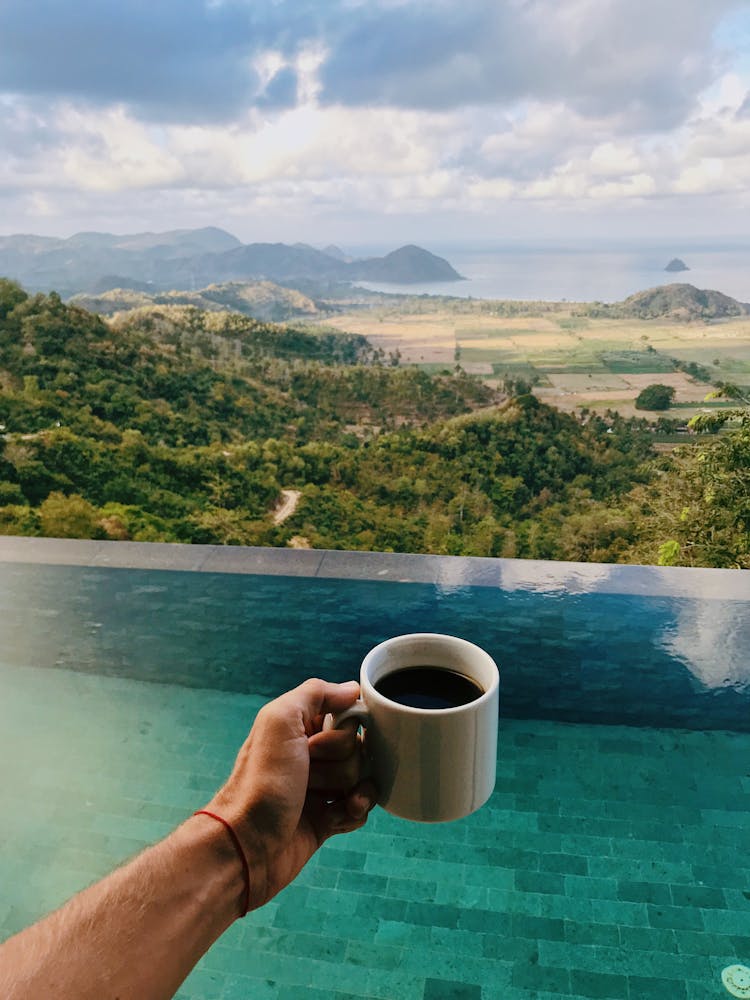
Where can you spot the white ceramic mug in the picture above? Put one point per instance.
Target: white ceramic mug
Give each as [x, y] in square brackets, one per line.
[430, 764]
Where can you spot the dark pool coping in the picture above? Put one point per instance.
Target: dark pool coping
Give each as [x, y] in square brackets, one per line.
[443, 571]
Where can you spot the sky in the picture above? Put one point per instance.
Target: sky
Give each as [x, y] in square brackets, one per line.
[365, 122]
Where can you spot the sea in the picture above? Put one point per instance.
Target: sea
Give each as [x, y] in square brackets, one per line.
[579, 272]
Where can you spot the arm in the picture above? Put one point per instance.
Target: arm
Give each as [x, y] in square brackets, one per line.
[137, 934]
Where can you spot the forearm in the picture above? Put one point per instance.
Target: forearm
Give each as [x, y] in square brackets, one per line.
[136, 934]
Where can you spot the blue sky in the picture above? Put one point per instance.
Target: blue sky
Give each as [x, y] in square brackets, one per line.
[386, 121]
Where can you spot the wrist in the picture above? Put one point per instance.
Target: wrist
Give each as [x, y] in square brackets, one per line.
[222, 878]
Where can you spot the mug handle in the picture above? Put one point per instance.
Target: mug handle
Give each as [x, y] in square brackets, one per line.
[356, 711]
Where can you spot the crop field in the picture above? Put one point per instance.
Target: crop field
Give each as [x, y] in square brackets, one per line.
[576, 360]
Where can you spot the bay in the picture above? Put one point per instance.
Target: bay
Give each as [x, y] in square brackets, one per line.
[580, 273]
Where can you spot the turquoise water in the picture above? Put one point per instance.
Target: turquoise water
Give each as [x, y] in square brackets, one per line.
[611, 861]
[593, 657]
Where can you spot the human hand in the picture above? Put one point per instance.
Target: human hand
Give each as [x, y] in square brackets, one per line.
[293, 785]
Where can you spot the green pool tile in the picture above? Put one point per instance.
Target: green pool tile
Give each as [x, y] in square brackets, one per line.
[735, 922]
[314, 875]
[564, 864]
[364, 928]
[485, 921]
[567, 908]
[722, 876]
[464, 896]
[441, 989]
[241, 987]
[584, 983]
[539, 977]
[701, 896]
[609, 911]
[332, 900]
[586, 887]
[205, 983]
[491, 878]
[432, 915]
[644, 892]
[375, 956]
[577, 932]
[338, 857]
[318, 946]
[510, 949]
[404, 935]
[362, 882]
[545, 928]
[539, 882]
[385, 985]
[383, 908]
[677, 917]
[411, 889]
[644, 988]
[650, 939]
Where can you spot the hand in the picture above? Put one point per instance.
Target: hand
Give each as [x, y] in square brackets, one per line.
[293, 785]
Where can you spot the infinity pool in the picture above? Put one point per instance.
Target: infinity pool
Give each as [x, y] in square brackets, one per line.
[611, 861]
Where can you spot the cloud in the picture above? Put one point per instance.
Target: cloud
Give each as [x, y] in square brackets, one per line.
[378, 108]
[192, 61]
[599, 58]
[175, 60]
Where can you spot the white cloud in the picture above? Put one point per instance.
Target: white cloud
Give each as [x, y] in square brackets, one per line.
[580, 108]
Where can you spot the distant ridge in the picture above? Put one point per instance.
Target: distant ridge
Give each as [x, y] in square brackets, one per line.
[262, 300]
[195, 258]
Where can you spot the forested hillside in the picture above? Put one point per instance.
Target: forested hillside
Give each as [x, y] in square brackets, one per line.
[173, 424]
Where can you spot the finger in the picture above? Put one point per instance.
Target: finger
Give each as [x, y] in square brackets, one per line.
[315, 698]
[335, 776]
[341, 815]
[361, 799]
[334, 744]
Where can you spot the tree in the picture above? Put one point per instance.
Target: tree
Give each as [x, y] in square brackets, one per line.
[655, 397]
[11, 294]
[68, 517]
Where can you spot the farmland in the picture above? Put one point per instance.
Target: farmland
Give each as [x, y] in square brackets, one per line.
[575, 360]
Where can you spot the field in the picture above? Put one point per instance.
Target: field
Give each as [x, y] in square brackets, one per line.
[575, 360]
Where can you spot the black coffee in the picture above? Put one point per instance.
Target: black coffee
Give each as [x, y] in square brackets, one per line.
[428, 687]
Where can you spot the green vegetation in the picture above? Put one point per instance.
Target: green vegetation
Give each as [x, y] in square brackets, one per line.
[173, 424]
[655, 397]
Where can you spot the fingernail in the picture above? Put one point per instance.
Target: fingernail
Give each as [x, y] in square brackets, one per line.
[362, 805]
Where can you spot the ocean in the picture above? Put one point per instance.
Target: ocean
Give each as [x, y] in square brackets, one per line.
[581, 272]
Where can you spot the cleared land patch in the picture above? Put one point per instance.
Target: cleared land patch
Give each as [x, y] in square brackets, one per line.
[578, 361]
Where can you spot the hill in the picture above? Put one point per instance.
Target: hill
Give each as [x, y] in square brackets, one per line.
[680, 302]
[169, 423]
[190, 259]
[261, 299]
[404, 266]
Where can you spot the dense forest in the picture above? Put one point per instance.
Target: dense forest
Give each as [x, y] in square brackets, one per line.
[174, 424]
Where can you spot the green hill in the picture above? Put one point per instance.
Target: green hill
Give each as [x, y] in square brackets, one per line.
[677, 301]
[262, 300]
[169, 423]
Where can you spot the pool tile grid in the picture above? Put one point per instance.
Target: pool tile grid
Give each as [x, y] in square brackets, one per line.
[610, 862]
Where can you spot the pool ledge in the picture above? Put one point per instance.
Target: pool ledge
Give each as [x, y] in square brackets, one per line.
[447, 572]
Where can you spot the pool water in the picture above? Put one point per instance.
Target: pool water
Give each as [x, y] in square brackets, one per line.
[613, 859]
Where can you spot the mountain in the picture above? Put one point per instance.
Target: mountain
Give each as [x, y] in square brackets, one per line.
[408, 265]
[681, 301]
[196, 258]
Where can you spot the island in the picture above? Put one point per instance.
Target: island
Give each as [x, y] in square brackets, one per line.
[676, 264]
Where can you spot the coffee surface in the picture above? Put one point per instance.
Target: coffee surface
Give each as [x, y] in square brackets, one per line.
[428, 687]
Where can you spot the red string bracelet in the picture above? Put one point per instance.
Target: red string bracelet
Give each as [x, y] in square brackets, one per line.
[236, 841]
